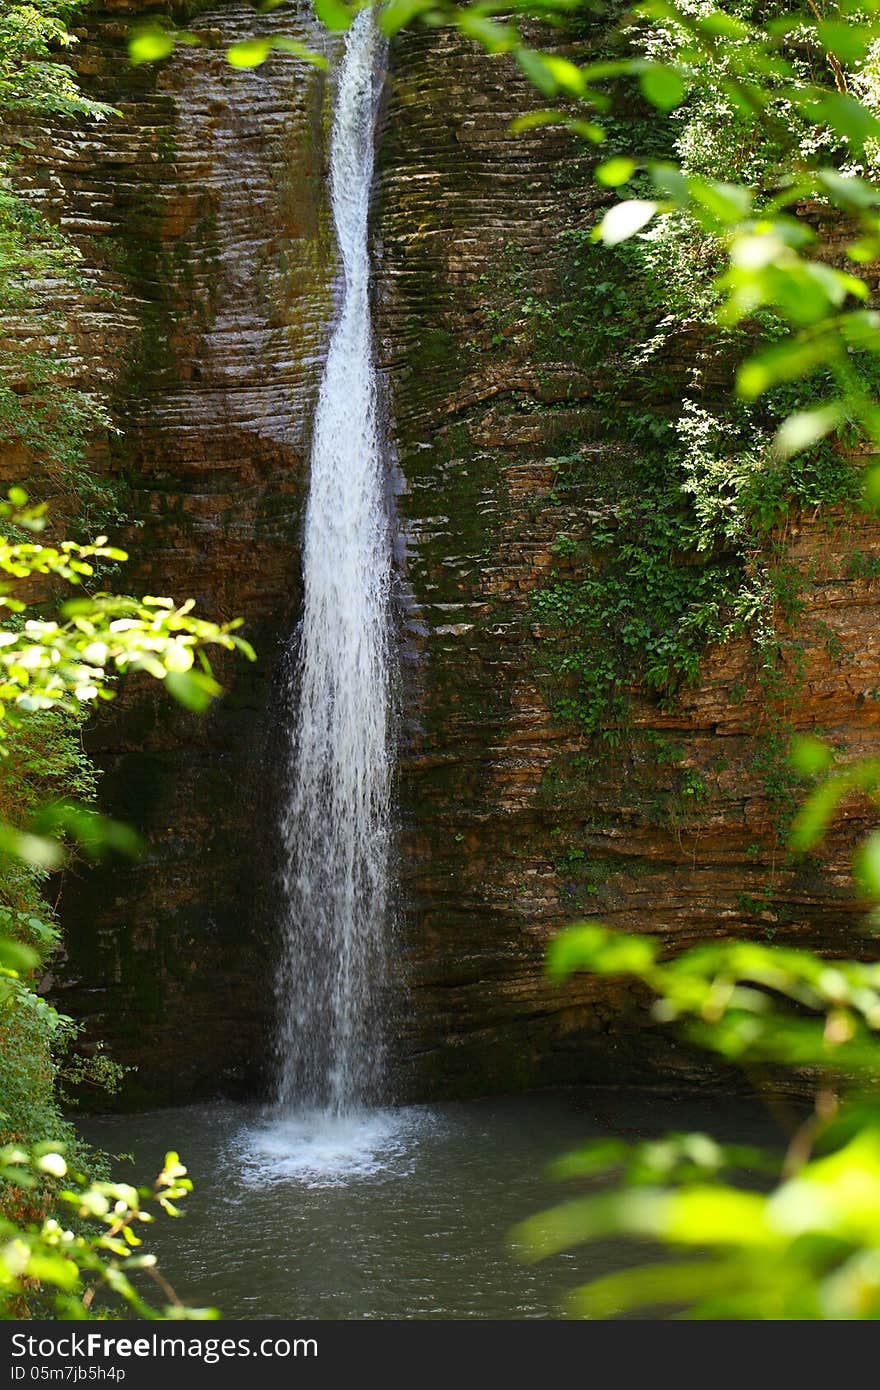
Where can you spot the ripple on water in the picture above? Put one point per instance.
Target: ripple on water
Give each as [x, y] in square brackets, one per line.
[320, 1149]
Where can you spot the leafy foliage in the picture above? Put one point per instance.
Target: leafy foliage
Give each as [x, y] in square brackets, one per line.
[52, 670]
[801, 86]
[41, 410]
[46, 1265]
[808, 1247]
[31, 77]
[50, 664]
[50, 667]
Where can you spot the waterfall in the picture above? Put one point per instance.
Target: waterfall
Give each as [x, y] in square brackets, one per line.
[335, 822]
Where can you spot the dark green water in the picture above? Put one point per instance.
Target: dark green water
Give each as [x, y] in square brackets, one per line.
[403, 1214]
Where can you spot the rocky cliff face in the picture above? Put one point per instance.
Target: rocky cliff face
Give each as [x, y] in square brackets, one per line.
[202, 218]
[514, 822]
[203, 212]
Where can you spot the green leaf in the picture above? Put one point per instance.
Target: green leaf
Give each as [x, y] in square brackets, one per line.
[847, 189]
[333, 14]
[625, 219]
[568, 75]
[844, 114]
[150, 45]
[193, 689]
[42, 853]
[642, 1211]
[598, 1157]
[717, 1216]
[95, 834]
[588, 129]
[536, 68]
[809, 755]
[814, 817]
[615, 171]
[671, 182]
[866, 866]
[531, 120]
[728, 202]
[590, 946]
[48, 1268]
[395, 15]
[495, 38]
[284, 44]
[654, 1286]
[723, 26]
[14, 955]
[662, 86]
[806, 427]
[849, 42]
[250, 53]
[793, 358]
[871, 488]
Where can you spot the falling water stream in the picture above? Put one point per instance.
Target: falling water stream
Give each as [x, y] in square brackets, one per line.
[335, 822]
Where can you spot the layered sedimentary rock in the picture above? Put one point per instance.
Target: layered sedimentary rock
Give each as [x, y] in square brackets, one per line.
[203, 212]
[202, 217]
[515, 823]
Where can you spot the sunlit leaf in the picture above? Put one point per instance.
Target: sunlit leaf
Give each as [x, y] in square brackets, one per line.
[814, 816]
[396, 14]
[15, 955]
[663, 1285]
[533, 119]
[728, 202]
[625, 219]
[590, 946]
[37, 850]
[787, 361]
[96, 835]
[150, 45]
[250, 53]
[806, 427]
[615, 171]
[643, 1212]
[537, 69]
[871, 488]
[53, 1269]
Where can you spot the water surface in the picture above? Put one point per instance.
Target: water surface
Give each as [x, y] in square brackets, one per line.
[401, 1214]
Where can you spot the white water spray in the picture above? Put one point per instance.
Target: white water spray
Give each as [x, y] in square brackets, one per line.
[335, 824]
